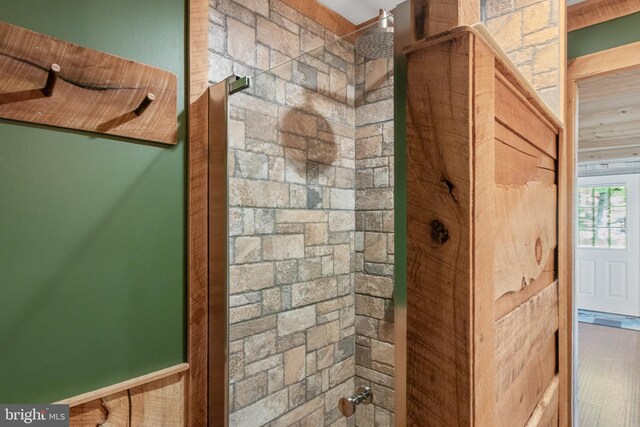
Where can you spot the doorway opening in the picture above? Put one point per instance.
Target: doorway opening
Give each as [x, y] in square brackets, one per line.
[607, 249]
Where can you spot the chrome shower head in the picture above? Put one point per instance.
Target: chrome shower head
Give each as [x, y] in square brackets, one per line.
[377, 41]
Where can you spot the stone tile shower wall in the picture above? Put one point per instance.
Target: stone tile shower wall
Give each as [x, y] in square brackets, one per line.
[292, 219]
[528, 30]
[374, 238]
[300, 273]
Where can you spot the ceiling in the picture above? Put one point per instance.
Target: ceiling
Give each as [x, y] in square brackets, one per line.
[609, 118]
[358, 11]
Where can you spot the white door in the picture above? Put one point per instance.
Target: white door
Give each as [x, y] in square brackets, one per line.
[608, 255]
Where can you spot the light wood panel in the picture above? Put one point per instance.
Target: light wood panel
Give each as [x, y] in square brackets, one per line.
[158, 403]
[94, 91]
[125, 385]
[609, 117]
[593, 12]
[546, 412]
[198, 268]
[482, 215]
[431, 17]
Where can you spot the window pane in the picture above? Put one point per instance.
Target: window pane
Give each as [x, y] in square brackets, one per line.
[618, 238]
[601, 216]
[602, 238]
[618, 217]
[601, 195]
[585, 218]
[586, 197]
[585, 238]
[618, 196]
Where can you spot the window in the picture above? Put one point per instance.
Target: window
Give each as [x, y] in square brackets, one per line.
[602, 217]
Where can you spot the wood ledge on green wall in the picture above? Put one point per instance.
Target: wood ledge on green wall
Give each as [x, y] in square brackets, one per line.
[52, 82]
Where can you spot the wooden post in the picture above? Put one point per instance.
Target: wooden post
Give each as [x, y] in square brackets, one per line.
[430, 17]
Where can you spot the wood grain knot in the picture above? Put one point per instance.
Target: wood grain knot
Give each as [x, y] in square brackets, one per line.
[538, 251]
[439, 233]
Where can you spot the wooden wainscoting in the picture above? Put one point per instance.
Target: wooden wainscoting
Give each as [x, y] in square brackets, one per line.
[152, 400]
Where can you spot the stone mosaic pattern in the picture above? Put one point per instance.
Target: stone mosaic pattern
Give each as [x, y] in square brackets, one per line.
[303, 285]
[528, 31]
[374, 238]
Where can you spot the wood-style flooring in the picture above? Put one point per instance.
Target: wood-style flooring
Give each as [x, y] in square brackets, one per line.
[608, 376]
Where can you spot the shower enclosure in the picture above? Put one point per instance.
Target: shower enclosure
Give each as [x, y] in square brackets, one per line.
[302, 164]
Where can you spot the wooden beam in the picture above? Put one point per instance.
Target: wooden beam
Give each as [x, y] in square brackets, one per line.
[197, 211]
[430, 17]
[593, 12]
[124, 385]
[607, 61]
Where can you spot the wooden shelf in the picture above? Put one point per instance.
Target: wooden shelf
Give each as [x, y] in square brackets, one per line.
[93, 91]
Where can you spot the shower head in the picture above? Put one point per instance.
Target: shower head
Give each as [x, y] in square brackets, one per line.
[377, 41]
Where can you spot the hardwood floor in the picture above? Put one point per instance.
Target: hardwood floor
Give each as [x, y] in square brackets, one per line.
[608, 376]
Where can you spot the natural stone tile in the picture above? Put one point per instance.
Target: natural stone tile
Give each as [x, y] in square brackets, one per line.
[365, 415]
[236, 367]
[314, 419]
[313, 292]
[325, 357]
[377, 74]
[262, 57]
[309, 269]
[347, 317]
[370, 306]
[341, 371]
[345, 348]
[250, 277]
[304, 77]
[258, 193]
[309, 41]
[295, 169]
[297, 122]
[314, 198]
[263, 365]
[244, 312]
[378, 269]
[335, 304]
[382, 352]
[341, 221]
[275, 379]
[247, 249]
[297, 196]
[548, 79]
[327, 266]
[241, 42]
[261, 412]
[302, 412]
[375, 113]
[540, 37]
[283, 247]
[285, 23]
[296, 320]
[385, 369]
[259, 346]
[314, 385]
[374, 285]
[335, 393]
[386, 331]
[294, 365]
[366, 326]
[242, 299]
[271, 301]
[342, 199]
[286, 272]
[316, 234]
[345, 178]
[345, 284]
[506, 30]
[495, 8]
[536, 17]
[373, 221]
[546, 58]
[374, 199]
[323, 335]
[290, 229]
[278, 38]
[248, 102]
[250, 390]
[348, 332]
[363, 356]
[261, 127]
[297, 394]
[376, 377]
[381, 177]
[342, 259]
[291, 215]
[290, 341]
[329, 317]
[251, 327]
[383, 418]
[375, 247]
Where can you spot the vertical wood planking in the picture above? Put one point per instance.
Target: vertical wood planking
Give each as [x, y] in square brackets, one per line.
[198, 274]
[431, 17]
[439, 340]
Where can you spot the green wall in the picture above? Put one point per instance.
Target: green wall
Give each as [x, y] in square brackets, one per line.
[606, 35]
[92, 228]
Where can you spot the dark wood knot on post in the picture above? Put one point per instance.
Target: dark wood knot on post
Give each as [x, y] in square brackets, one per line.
[439, 233]
[52, 78]
[145, 103]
